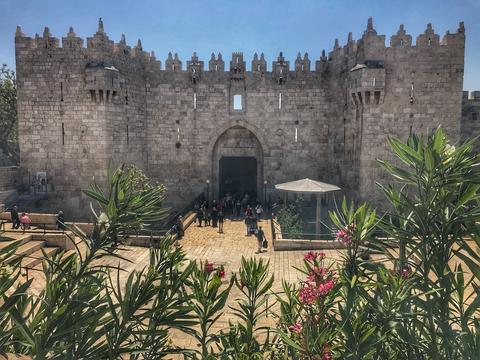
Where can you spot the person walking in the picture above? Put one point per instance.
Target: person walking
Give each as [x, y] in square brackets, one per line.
[238, 208]
[207, 216]
[260, 238]
[249, 220]
[60, 220]
[259, 211]
[14, 217]
[200, 216]
[221, 218]
[179, 227]
[215, 212]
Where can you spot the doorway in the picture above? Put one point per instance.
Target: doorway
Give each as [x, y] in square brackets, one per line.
[238, 176]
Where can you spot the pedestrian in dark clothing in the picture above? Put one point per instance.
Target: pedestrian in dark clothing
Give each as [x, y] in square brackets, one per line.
[15, 217]
[207, 216]
[214, 216]
[200, 216]
[238, 208]
[221, 218]
[61, 220]
[260, 238]
[179, 228]
[248, 211]
[248, 221]
[245, 202]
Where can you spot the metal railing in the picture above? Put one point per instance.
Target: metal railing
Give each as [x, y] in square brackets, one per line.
[308, 236]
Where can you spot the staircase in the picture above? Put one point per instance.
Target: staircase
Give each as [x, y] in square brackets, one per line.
[32, 251]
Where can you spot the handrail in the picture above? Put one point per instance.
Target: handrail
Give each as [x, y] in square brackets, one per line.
[170, 221]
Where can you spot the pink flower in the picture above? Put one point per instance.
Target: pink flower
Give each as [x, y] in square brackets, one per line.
[326, 353]
[315, 287]
[325, 288]
[317, 274]
[221, 273]
[310, 256]
[346, 236]
[209, 267]
[308, 295]
[405, 272]
[296, 328]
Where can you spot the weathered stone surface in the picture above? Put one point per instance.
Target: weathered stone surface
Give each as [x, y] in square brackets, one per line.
[83, 108]
[471, 117]
[9, 178]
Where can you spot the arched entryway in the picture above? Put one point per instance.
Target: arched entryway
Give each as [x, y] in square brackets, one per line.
[237, 164]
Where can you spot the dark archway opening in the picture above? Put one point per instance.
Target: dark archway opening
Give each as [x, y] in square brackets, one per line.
[238, 176]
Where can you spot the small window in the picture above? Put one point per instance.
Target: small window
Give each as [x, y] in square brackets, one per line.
[367, 97]
[195, 100]
[280, 100]
[474, 116]
[237, 102]
[360, 100]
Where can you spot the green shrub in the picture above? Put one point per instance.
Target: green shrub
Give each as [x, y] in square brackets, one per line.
[424, 307]
[290, 220]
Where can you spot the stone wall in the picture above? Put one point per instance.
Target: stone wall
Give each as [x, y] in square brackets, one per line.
[470, 125]
[9, 178]
[82, 108]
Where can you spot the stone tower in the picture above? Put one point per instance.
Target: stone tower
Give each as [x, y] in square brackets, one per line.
[200, 130]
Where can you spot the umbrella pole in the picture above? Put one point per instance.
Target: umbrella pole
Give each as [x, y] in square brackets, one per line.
[284, 199]
[318, 224]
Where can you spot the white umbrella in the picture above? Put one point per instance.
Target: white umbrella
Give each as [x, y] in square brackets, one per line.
[309, 186]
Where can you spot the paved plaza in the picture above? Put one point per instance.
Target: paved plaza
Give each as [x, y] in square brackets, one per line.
[225, 249]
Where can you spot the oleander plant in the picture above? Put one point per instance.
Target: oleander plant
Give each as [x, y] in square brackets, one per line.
[406, 285]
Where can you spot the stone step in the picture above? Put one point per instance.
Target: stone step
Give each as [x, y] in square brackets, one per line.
[38, 256]
[30, 247]
[8, 239]
[27, 248]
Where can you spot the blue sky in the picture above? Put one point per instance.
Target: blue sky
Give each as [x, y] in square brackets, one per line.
[250, 26]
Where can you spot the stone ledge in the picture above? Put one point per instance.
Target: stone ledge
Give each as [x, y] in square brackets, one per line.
[37, 218]
[299, 244]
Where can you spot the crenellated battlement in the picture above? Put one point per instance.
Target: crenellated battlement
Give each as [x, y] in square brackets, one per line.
[370, 46]
[472, 95]
[83, 103]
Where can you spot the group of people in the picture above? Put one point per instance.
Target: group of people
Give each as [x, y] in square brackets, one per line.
[236, 206]
[24, 221]
[210, 216]
[214, 215]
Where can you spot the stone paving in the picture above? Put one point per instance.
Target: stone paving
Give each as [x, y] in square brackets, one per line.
[225, 249]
